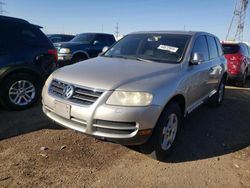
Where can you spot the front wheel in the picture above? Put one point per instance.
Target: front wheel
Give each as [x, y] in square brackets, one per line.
[165, 133]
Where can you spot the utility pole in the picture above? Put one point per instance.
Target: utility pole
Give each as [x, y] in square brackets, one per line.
[238, 21]
[117, 33]
[2, 11]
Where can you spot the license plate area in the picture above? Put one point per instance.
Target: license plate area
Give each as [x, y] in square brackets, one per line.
[62, 109]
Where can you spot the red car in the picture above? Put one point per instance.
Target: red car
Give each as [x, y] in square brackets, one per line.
[238, 61]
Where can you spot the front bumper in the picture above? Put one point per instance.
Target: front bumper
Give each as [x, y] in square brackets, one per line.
[64, 59]
[125, 125]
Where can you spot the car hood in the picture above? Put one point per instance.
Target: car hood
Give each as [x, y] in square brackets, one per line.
[68, 44]
[111, 73]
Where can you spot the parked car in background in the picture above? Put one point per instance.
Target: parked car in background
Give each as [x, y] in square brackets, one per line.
[60, 37]
[238, 61]
[82, 47]
[139, 90]
[27, 57]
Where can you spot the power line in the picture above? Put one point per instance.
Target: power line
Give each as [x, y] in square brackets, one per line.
[2, 11]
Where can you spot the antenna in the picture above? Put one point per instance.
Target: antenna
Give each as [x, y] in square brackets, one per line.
[238, 21]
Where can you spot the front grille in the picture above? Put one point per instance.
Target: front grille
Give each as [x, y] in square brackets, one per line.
[81, 95]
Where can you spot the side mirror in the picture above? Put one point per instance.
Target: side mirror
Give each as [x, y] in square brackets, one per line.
[96, 42]
[105, 49]
[197, 58]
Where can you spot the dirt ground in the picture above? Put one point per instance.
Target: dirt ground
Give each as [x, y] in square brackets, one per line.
[213, 151]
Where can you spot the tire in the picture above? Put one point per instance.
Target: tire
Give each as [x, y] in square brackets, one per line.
[19, 91]
[243, 80]
[217, 99]
[165, 134]
[78, 58]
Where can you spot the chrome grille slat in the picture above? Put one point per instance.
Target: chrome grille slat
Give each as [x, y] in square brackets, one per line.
[57, 90]
[88, 94]
[57, 85]
[81, 95]
[85, 99]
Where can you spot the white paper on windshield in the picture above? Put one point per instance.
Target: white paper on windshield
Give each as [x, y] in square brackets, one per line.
[167, 48]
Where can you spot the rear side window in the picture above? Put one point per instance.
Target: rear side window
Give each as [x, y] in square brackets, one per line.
[230, 48]
[1, 43]
[30, 35]
[213, 52]
[56, 39]
[24, 35]
[200, 46]
[244, 50]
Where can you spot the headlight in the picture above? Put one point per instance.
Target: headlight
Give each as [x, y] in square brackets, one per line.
[123, 98]
[64, 50]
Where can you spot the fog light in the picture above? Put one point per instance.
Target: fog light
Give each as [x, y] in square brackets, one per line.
[145, 132]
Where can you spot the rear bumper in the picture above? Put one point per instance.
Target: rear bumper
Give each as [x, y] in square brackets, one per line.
[234, 77]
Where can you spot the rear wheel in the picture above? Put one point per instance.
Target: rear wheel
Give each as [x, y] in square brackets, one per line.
[243, 80]
[165, 133]
[19, 91]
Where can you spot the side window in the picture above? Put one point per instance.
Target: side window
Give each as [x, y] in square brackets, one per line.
[101, 40]
[244, 50]
[219, 47]
[1, 43]
[28, 36]
[56, 39]
[111, 40]
[248, 51]
[213, 52]
[200, 46]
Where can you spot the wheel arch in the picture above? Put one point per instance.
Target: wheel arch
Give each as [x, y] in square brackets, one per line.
[180, 100]
[80, 52]
[28, 71]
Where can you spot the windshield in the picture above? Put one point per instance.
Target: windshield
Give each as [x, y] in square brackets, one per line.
[230, 49]
[153, 47]
[83, 38]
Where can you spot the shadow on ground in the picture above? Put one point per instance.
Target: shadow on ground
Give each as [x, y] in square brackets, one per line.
[14, 123]
[211, 132]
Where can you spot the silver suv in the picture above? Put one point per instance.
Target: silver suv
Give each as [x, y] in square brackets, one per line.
[139, 90]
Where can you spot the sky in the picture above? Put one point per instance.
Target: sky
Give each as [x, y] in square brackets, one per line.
[79, 16]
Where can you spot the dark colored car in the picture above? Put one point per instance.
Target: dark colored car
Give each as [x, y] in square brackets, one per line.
[60, 37]
[27, 57]
[238, 61]
[82, 47]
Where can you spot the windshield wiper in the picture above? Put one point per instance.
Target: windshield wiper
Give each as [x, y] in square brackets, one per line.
[142, 59]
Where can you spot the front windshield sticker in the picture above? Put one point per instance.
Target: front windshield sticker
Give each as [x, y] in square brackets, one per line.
[167, 48]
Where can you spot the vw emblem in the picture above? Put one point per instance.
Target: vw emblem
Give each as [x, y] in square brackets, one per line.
[68, 91]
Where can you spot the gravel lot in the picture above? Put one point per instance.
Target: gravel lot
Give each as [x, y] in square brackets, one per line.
[213, 151]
